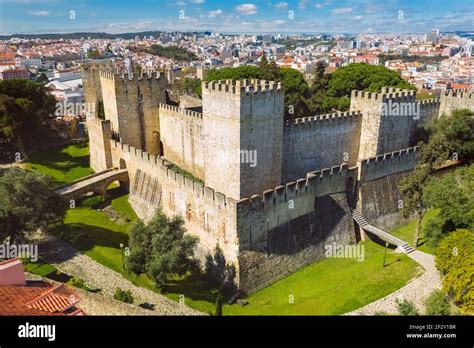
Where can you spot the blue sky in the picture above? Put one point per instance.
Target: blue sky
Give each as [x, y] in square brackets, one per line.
[115, 16]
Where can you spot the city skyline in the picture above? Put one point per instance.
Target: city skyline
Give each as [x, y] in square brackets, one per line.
[303, 16]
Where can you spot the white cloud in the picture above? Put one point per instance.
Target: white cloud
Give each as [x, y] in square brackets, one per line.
[213, 14]
[342, 10]
[197, 1]
[281, 5]
[247, 9]
[40, 13]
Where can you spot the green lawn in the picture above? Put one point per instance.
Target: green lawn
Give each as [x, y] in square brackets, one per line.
[63, 164]
[332, 286]
[407, 231]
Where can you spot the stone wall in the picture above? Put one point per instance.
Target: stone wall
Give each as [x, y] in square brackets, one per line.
[429, 109]
[322, 141]
[457, 99]
[99, 143]
[189, 102]
[208, 214]
[181, 135]
[379, 197]
[287, 227]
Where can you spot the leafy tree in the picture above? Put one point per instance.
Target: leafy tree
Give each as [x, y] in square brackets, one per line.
[172, 52]
[188, 85]
[161, 248]
[318, 90]
[24, 106]
[456, 133]
[453, 194]
[361, 76]
[296, 88]
[27, 202]
[455, 261]
[436, 304]
[405, 307]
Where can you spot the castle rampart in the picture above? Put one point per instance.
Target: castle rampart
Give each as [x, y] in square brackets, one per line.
[457, 99]
[321, 141]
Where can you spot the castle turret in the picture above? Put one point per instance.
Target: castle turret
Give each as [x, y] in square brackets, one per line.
[243, 129]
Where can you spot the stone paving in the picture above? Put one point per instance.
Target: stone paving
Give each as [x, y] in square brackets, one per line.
[416, 291]
[68, 260]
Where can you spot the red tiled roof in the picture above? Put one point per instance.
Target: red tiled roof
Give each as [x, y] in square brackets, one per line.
[38, 298]
[35, 297]
[54, 300]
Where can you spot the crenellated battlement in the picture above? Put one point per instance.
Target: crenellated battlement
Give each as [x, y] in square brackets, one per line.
[388, 163]
[180, 112]
[459, 93]
[249, 86]
[159, 166]
[316, 184]
[319, 120]
[97, 122]
[386, 94]
[427, 102]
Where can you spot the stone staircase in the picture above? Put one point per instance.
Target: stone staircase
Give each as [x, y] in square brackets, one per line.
[361, 220]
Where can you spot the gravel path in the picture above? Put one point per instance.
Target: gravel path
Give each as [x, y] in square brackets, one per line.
[416, 291]
[68, 260]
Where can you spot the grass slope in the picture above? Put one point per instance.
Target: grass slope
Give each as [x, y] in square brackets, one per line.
[332, 286]
[64, 165]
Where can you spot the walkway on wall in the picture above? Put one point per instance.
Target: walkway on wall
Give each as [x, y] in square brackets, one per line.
[97, 183]
[387, 237]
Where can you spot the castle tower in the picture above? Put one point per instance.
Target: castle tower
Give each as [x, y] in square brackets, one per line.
[92, 85]
[388, 120]
[243, 133]
[131, 103]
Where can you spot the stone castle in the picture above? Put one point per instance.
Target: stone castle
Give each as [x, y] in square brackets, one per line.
[269, 193]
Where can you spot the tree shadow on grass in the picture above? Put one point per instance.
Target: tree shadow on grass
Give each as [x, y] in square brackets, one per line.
[195, 286]
[85, 237]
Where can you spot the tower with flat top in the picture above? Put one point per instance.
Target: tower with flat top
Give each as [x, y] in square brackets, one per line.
[243, 132]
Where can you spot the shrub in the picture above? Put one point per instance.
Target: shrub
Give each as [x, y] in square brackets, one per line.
[455, 261]
[123, 295]
[405, 307]
[436, 304]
